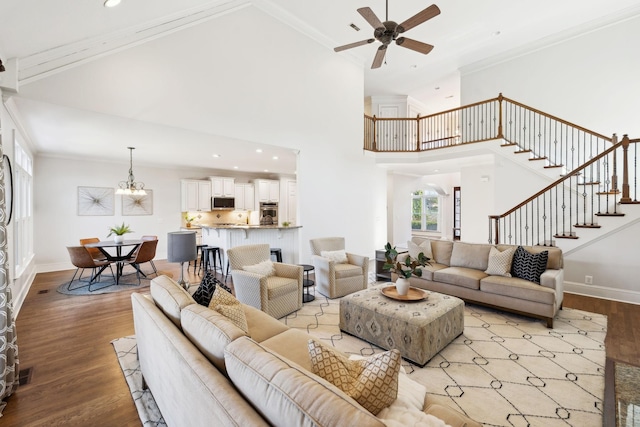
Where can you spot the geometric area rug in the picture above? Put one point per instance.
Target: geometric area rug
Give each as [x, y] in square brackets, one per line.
[504, 370]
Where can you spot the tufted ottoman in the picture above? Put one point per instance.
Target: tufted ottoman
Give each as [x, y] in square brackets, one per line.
[418, 329]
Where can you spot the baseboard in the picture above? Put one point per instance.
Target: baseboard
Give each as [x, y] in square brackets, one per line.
[56, 266]
[622, 295]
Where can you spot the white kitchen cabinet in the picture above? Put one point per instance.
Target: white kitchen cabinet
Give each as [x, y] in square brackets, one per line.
[245, 197]
[196, 195]
[222, 186]
[267, 190]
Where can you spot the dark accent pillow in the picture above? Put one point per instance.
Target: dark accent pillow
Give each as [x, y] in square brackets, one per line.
[207, 287]
[528, 266]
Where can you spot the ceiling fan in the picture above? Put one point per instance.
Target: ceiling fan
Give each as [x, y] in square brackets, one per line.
[388, 31]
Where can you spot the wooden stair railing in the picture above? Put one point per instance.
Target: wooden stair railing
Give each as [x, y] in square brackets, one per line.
[573, 201]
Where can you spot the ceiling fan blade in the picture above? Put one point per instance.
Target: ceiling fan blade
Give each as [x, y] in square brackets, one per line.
[377, 61]
[419, 18]
[370, 17]
[414, 45]
[350, 45]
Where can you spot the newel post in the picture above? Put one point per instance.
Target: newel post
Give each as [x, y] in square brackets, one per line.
[500, 98]
[375, 134]
[625, 170]
[494, 221]
[418, 132]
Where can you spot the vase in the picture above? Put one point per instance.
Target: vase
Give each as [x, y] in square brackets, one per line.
[119, 239]
[402, 286]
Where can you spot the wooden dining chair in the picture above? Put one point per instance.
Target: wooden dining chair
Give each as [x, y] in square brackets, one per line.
[146, 252]
[95, 252]
[82, 259]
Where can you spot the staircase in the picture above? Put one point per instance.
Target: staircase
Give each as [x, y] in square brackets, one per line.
[592, 177]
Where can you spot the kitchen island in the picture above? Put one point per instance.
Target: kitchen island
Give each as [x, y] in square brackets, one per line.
[227, 236]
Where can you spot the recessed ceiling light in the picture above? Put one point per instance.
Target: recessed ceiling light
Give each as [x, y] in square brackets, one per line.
[413, 66]
[437, 88]
[259, 150]
[436, 170]
[235, 167]
[216, 155]
[266, 170]
[495, 33]
[111, 3]
[275, 157]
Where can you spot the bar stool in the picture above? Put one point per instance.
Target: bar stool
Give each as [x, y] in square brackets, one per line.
[195, 261]
[278, 253]
[210, 252]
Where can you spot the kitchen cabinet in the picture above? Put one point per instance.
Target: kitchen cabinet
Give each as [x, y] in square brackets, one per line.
[245, 197]
[222, 186]
[196, 195]
[267, 190]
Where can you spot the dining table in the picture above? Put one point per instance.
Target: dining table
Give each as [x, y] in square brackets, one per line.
[113, 251]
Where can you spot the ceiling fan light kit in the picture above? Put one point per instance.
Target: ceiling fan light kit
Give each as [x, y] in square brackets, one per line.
[389, 31]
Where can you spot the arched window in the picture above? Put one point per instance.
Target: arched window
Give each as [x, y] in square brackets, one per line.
[425, 215]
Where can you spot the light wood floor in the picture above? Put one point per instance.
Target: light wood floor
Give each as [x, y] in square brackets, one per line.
[76, 379]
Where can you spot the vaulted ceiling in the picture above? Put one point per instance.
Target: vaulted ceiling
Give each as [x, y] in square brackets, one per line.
[173, 45]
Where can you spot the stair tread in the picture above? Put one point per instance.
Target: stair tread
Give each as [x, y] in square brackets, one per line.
[537, 158]
[587, 226]
[553, 166]
[590, 183]
[562, 236]
[521, 151]
[610, 214]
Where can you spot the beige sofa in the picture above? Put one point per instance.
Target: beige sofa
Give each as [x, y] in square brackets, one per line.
[458, 269]
[204, 370]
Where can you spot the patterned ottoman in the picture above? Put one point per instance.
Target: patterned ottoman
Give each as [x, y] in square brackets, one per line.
[418, 329]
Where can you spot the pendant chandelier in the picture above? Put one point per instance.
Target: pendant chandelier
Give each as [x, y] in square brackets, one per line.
[130, 187]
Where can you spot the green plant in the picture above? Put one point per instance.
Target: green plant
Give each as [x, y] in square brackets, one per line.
[119, 230]
[188, 218]
[286, 224]
[406, 268]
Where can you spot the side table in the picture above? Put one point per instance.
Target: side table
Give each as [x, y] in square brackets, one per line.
[307, 283]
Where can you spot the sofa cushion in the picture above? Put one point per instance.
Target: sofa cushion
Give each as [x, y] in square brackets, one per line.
[372, 382]
[339, 256]
[500, 262]
[460, 276]
[347, 270]
[441, 250]
[415, 249]
[261, 325]
[291, 344]
[288, 395]
[227, 305]
[528, 266]
[469, 255]
[210, 331]
[518, 288]
[264, 268]
[429, 269]
[170, 297]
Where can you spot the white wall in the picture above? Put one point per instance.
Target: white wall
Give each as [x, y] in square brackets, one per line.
[300, 95]
[591, 81]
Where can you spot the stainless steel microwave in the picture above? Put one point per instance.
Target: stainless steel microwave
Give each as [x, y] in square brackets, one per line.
[223, 203]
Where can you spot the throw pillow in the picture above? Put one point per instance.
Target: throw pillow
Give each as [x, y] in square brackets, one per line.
[424, 247]
[264, 268]
[500, 262]
[227, 305]
[372, 382]
[339, 256]
[205, 291]
[529, 266]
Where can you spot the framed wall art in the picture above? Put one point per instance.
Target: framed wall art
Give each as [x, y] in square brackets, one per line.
[96, 201]
[137, 204]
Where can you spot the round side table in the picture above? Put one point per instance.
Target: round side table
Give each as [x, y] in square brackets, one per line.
[307, 283]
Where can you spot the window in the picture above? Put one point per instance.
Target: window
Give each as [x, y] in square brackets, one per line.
[425, 215]
[23, 209]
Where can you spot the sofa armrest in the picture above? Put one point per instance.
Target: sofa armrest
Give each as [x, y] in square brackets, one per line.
[554, 279]
[361, 261]
[250, 288]
[324, 268]
[288, 270]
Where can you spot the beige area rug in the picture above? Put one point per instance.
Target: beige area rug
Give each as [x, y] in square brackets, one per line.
[505, 369]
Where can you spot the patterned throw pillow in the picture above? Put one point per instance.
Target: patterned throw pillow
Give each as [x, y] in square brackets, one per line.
[529, 266]
[264, 268]
[203, 294]
[500, 262]
[339, 256]
[227, 305]
[372, 382]
[424, 247]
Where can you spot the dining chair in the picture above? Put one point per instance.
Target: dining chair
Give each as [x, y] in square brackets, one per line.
[95, 252]
[146, 252]
[82, 259]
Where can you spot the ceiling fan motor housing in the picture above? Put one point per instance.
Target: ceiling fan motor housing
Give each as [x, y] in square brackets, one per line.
[387, 34]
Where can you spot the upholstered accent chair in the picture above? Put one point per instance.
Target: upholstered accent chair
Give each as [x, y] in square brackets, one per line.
[277, 293]
[334, 277]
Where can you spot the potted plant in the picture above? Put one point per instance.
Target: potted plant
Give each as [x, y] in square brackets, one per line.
[119, 231]
[286, 224]
[189, 219]
[404, 269]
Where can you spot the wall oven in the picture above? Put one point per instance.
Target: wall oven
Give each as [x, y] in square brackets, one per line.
[268, 213]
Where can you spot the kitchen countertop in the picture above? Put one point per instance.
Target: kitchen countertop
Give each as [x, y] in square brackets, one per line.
[246, 226]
